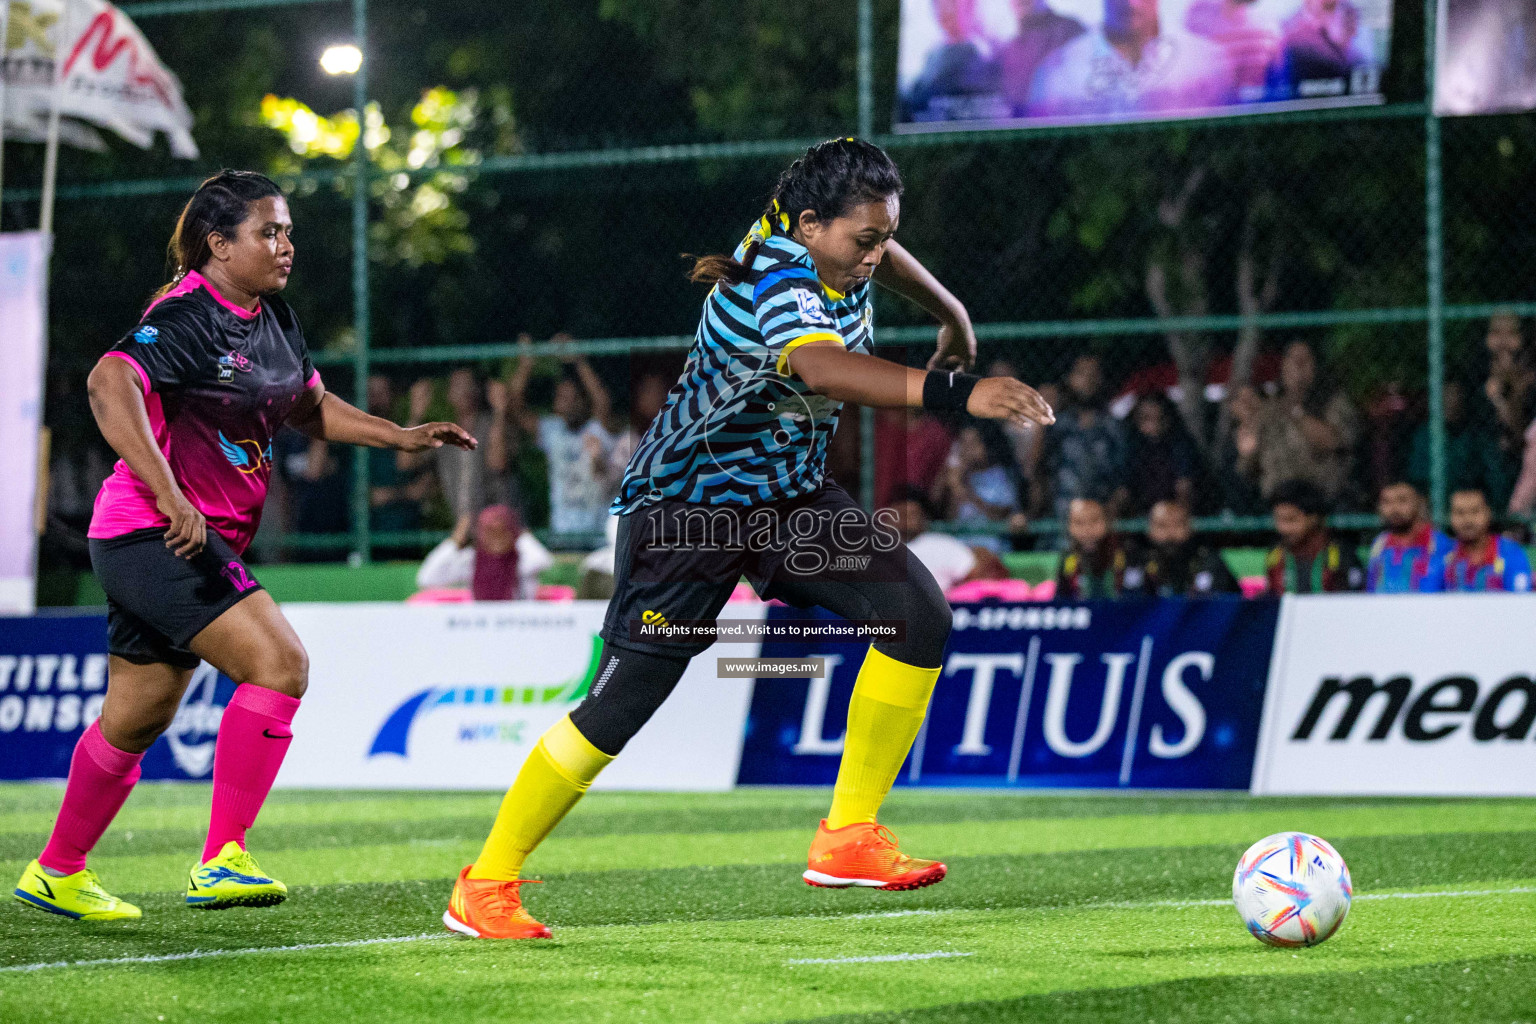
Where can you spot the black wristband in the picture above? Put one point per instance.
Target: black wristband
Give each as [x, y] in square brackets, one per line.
[948, 390]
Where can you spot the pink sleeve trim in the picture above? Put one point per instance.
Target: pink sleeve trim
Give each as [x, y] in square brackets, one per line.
[314, 378]
[143, 377]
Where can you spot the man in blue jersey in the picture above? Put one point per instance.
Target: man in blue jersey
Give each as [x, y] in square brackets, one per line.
[1482, 560]
[1409, 555]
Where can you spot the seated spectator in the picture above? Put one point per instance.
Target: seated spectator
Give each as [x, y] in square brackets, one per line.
[1095, 563]
[470, 480]
[1409, 554]
[1511, 384]
[1482, 560]
[501, 564]
[910, 448]
[1473, 458]
[1308, 560]
[1026, 440]
[1306, 432]
[1240, 494]
[951, 560]
[575, 440]
[1161, 461]
[1173, 563]
[980, 484]
[1085, 447]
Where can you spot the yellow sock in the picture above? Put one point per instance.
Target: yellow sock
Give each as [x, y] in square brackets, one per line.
[554, 777]
[889, 702]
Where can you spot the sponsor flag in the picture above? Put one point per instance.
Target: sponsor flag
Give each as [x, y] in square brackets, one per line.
[112, 77]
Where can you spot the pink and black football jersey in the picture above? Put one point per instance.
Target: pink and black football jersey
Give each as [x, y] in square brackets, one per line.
[218, 382]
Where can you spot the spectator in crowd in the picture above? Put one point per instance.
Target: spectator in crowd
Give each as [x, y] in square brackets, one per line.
[1511, 384]
[1240, 493]
[1095, 563]
[1482, 560]
[1409, 555]
[980, 484]
[470, 480]
[1025, 440]
[951, 560]
[597, 569]
[647, 398]
[1135, 63]
[318, 480]
[1308, 560]
[399, 486]
[1522, 501]
[1252, 42]
[1391, 416]
[959, 79]
[1085, 447]
[1161, 461]
[1173, 563]
[1320, 43]
[501, 563]
[911, 446]
[575, 440]
[1306, 432]
[1473, 457]
[1042, 32]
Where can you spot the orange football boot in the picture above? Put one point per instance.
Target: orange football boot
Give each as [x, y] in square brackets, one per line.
[866, 855]
[486, 908]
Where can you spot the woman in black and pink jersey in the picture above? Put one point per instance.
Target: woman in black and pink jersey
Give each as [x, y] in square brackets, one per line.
[191, 399]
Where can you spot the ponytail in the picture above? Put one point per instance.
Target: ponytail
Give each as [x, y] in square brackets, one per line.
[829, 180]
[218, 206]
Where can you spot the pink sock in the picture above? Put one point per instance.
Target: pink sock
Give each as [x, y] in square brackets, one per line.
[100, 779]
[253, 737]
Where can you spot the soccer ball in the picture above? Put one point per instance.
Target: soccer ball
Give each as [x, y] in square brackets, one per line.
[1292, 889]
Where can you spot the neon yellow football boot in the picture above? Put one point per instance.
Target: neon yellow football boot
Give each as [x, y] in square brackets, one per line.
[232, 879]
[78, 896]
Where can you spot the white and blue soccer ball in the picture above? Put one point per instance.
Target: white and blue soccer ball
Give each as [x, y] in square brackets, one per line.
[1292, 889]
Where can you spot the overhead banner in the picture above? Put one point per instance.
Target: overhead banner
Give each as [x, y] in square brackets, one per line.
[112, 77]
[968, 64]
[1485, 57]
[1137, 694]
[455, 697]
[1401, 694]
[23, 291]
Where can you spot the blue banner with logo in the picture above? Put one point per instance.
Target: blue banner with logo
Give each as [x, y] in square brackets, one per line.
[53, 679]
[1144, 694]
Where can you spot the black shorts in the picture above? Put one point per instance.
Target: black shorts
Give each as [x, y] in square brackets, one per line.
[678, 561]
[157, 602]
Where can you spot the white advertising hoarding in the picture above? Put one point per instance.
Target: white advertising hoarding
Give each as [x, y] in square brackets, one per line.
[455, 696]
[1402, 694]
[23, 288]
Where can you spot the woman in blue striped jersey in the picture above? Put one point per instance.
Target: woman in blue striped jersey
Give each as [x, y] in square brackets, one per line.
[730, 479]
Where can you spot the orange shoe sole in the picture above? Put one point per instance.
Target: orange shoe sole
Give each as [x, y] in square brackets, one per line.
[453, 924]
[913, 880]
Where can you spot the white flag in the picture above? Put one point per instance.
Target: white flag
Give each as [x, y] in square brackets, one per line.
[112, 77]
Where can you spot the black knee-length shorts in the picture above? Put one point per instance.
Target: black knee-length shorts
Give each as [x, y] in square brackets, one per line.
[157, 602]
[678, 561]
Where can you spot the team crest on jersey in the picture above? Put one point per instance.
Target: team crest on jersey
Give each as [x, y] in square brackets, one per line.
[246, 456]
[146, 335]
[811, 309]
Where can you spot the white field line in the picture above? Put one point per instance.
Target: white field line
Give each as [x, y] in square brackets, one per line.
[203, 954]
[888, 958]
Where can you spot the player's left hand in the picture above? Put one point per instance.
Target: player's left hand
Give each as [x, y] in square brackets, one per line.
[435, 435]
[956, 349]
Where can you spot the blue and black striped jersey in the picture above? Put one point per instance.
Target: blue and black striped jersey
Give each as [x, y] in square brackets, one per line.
[739, 427]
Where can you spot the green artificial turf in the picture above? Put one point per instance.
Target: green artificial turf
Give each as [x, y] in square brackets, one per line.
[670, 907]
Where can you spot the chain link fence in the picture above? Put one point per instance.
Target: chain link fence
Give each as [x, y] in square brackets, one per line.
[1180, 290]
